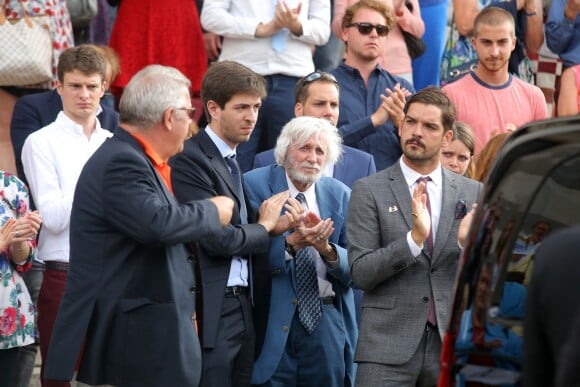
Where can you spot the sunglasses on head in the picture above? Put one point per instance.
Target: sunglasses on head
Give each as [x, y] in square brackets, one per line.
[318, 75]
[367, 28]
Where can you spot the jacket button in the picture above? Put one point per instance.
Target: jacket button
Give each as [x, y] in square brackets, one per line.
[190, 258]
[294, 301]
[285, 328]
[276, 271]
[433, 271]
[425, 299]
[192, 289]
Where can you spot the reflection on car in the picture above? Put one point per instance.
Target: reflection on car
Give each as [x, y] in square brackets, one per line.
[532, 190]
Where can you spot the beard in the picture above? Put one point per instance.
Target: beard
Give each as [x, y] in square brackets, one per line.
[418, 155]
[293, 171]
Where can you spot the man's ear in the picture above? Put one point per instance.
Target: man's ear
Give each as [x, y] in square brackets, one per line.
[298, 109]
[59, 87]
[213, 109]
[447, 138]
[168, 118]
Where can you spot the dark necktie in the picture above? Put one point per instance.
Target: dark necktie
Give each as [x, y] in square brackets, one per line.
[432, 316]
[309, 309]
[237, 180]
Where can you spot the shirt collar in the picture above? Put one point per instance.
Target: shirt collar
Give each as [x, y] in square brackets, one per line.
[309, 194]
[411, 175]
[157, 161]
[224, 149]
[69, 124]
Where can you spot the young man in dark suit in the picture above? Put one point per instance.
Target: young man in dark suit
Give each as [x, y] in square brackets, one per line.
[207, 167]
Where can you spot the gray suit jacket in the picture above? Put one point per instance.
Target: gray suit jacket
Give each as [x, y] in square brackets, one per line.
[398, 285]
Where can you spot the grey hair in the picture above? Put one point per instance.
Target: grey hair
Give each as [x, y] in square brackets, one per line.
[150, 93]
[300, 129]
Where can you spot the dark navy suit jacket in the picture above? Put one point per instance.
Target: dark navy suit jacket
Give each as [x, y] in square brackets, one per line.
[130, 291]
[35, 111]
[353, 165]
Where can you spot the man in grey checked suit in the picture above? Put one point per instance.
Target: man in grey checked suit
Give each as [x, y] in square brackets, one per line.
[403, 249]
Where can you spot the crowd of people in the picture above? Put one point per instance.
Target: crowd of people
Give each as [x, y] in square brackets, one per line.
[212, 209]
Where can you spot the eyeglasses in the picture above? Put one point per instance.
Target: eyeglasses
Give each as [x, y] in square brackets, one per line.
[190, 112]
[318, 75]
[367, 28]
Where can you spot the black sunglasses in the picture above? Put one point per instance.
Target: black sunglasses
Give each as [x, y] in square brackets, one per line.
[367, 28]
[318, 75]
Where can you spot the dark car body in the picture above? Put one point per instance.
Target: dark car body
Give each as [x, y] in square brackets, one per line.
[532, 190]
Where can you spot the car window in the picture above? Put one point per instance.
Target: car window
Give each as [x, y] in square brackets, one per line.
[537, 194]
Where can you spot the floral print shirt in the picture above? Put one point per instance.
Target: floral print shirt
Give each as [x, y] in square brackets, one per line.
[16, 307]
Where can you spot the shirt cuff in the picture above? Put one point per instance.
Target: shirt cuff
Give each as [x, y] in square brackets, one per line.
[415, 248]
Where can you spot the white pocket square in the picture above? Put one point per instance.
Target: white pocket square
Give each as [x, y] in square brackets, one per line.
[393, 209]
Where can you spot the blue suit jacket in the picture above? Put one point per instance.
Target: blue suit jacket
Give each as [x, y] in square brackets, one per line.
[35, 111]
[332, 197]
[353, 165]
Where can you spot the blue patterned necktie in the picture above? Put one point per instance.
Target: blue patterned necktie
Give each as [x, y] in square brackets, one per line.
[309, 309]
[237, 180]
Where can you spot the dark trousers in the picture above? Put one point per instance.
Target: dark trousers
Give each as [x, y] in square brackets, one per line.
[231, 361]
[49, 298]
[27, 354]
[8, 366]
[276, 110]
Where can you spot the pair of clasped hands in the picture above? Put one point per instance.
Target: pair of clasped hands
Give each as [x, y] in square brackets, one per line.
[20, 230]
[309, 229]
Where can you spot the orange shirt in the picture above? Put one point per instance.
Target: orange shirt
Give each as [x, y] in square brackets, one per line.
[160, 165]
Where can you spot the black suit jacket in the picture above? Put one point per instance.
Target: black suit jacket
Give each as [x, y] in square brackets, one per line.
[35, 111]
[130, 290]
[200, 172]
[551, 306]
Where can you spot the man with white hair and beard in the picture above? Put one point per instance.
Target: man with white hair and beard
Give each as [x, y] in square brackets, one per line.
[311, 328]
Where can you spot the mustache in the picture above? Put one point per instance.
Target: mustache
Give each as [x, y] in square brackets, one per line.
[415, 141]
[310, 165]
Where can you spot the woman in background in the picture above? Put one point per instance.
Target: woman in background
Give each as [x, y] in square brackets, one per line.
[458, 155]
[487, 155]
[158, 32]
[18, 229]
[62, 38]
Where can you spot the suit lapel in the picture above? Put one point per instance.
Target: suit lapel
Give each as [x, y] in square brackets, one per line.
[217, 161]
[449, 194]
[400, 191]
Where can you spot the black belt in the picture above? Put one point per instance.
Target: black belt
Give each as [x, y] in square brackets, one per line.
[329, 300]
[236, 290]
[56, 265]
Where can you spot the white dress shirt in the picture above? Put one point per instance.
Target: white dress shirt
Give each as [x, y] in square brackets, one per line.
[434, 189]
[53, 158]
[237, 20]
[239, 268]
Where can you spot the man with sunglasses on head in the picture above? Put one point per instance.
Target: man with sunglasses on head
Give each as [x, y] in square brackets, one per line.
[372, 99]
[317, 96]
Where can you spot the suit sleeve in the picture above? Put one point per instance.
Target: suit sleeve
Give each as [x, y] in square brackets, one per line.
[131, 201]
[193, 179]
[25, 120]
[370, 263]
